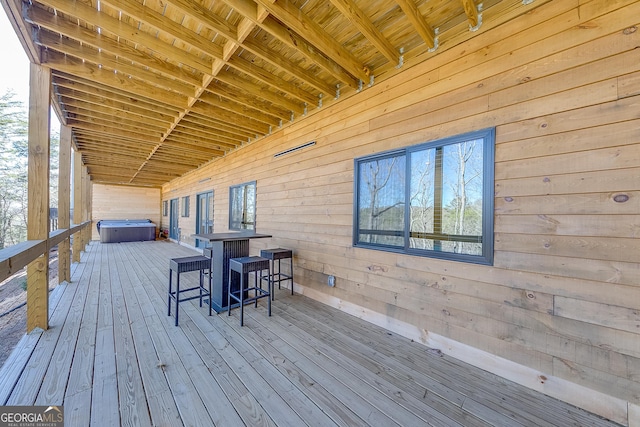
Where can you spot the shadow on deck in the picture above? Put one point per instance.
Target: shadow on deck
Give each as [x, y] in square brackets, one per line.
[113, 357]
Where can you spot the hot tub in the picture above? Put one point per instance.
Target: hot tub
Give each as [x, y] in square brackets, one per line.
[124, 230]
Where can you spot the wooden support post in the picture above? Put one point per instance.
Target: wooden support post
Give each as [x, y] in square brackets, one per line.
[38, 195]
[77, 204]
[86, 197]
[89, 205]
[64, 203]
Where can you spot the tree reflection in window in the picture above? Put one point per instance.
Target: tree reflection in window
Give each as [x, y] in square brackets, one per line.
[448, 187]
[242, 206]
[382, 201]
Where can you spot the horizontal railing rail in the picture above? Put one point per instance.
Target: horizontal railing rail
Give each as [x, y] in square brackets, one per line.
[16, 257]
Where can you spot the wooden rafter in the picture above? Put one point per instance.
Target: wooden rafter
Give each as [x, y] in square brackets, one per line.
[351, 10]
[471, 11]
[417, 20]
[313, 33]
[118, 28]
[160, 80]
[57, 24]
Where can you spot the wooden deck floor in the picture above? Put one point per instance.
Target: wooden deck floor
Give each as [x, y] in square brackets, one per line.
[112, 357]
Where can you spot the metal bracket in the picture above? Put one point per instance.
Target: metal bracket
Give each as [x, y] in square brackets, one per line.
[526, 2]
[319, 100]
[436, 43]
[479, 19]
[371, 80]
[401, 58]
[337, 91]
[360, 83]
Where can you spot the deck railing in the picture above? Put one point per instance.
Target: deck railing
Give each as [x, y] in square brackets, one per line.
[30, 254]
[16, 257]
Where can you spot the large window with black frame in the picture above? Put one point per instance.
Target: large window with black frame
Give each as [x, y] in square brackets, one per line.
[433, 199]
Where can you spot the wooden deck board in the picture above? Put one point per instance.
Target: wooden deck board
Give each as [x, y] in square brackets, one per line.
[203, 398]
[279, 409]
[13, 367]
[113, 357]
[347, 375]
[31, 379]
[133, 403]
[161, 405]
[301, 376]
[363, 361]
[79, 389]
[425, 387]
[479, 387]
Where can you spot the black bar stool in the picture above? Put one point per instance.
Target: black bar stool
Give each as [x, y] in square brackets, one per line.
[183, 265]
[244, 266]
[274, 277]
[208, 252]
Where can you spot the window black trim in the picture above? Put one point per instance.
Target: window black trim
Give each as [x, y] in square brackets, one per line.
[185, 206]
[487, 202]
[252, 222]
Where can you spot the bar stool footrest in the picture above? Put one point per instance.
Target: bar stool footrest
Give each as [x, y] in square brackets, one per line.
[263, 294]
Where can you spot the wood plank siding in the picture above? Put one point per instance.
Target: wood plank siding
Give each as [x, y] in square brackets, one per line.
[124, 202]
[558, 309]
[113, 357]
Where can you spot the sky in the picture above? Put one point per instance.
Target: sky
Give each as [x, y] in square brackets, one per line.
[14, 71]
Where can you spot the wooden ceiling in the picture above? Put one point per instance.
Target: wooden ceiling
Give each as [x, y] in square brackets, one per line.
[155, 88]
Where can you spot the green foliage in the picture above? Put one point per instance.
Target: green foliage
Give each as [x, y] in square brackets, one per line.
[13, 170]
[14, 150]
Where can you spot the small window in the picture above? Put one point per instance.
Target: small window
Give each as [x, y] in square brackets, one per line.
[165, 208]
[185, 207]
[433, 199]
[242, 206]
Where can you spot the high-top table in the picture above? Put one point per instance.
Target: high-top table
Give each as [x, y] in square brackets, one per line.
[225, 246]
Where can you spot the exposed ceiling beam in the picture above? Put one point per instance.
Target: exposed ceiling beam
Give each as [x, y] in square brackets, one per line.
[287, 13]
[417, 20]
[115, 123]
[197, 122]
[237, 38]
[471, 10]
[154, 19]
[208, 140]
[246, 99]
[250, 10]
[259, 91]
[127, 32]
[101, 59]
[123, 51]
[79, 104]
[113, 80]
[366, 27]
[113, 97]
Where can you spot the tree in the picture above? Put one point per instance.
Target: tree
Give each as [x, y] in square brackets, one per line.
[466, 154]
[14, 151]
[13, 170]
[382, 204]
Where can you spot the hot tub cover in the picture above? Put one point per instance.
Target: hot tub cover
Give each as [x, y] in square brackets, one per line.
[115, 231]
